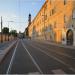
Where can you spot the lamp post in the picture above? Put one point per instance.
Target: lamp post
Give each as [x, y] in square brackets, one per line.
[1, 30]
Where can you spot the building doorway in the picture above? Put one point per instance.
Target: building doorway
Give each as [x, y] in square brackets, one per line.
[69, 37]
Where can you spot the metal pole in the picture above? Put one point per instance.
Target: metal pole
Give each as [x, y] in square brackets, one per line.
[1, 30]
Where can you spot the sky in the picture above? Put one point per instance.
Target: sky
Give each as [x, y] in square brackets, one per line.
[15, 12]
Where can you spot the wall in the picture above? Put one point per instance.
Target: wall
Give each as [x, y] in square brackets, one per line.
[51, 20]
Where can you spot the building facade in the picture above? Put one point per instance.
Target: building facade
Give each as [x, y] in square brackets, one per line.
[55, 22]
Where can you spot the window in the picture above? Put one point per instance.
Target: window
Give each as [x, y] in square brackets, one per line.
[54, 24]
[65, 18]
[65, 1]
[53, 11]
[45, 17]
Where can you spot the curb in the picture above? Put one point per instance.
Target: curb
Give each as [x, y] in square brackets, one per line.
[59, 45]
[6, 51]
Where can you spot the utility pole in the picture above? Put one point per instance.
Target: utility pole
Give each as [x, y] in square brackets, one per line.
[1, 30]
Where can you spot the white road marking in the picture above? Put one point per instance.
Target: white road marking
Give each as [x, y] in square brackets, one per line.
[11, 62]
[72, 69]
[32, 58]
[58, 71]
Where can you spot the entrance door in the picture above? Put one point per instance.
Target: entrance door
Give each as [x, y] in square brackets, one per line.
[69, 37]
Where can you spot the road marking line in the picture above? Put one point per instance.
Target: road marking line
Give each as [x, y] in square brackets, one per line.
[12, 58]
[72, 69]
[59, 45]
[58, 71]
[58, 52]
[32, 58]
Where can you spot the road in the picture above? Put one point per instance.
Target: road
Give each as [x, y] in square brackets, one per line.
[31, 57]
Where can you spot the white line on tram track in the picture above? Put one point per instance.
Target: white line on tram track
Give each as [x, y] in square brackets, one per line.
[11, 61]
[32, 58]
[72, 69]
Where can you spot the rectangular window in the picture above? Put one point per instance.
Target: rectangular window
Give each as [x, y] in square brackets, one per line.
[54, 24]
[52, 11]
[45, 17]
[65, 1]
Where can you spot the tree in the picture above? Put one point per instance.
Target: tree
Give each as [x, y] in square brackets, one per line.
[14, 33]
[5, 31]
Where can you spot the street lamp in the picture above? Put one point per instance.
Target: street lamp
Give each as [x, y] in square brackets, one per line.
[1, 30]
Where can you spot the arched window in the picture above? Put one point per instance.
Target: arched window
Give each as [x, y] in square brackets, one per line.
[69, 37]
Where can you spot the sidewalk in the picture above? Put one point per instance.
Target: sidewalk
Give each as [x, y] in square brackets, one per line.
[5, 50]
[56, 44]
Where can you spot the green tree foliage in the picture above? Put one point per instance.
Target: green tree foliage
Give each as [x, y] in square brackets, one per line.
[5, 30]
[14, 33]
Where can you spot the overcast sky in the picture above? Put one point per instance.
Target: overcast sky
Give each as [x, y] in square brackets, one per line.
[15, 12]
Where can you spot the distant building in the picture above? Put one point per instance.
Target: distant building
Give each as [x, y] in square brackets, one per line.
[21, 35]
[29, 19]
[29, 23]
[26, 32]
[5, 37]
[55, 22]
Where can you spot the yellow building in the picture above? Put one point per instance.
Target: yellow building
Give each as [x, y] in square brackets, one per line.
[53, 21]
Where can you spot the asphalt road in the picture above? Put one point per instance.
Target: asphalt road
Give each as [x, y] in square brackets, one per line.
[31, 57]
